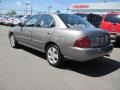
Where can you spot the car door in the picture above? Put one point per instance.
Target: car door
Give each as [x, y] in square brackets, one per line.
[43, 30]
[116, 25]
[26, 31]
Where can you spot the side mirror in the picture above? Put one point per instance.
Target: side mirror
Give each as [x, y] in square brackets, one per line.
[12, 25]
[20, 24]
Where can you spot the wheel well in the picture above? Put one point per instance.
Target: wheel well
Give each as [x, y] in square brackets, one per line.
[49, 43]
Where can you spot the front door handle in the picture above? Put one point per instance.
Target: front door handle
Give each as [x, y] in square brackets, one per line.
[30, 31]
[48, 33]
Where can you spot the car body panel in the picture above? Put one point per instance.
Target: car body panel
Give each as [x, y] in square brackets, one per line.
[40, 36]
[64, 38]
[112, 25]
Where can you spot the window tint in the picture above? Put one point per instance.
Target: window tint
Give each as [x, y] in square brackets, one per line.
[82, 15]
[46, 21]
[32, 21]
[72, 20]
[94, 19]
[113, 18]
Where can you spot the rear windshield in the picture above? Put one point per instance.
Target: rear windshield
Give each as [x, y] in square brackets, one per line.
[113, 18]
[72, 20]
[83, 15]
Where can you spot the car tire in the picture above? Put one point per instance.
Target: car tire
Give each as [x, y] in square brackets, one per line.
[54, 56]
[13, 41]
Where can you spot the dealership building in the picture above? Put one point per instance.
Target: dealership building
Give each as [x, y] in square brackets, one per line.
[96, 8]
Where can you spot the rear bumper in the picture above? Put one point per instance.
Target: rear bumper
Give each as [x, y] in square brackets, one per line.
[85, 54]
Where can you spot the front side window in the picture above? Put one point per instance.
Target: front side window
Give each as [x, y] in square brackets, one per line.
[113, 18]
[46, 21]
[31, 21]
[72, 20]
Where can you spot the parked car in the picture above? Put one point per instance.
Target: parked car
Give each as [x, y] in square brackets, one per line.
[5, 20]
[10, 20]
[111, 23]
[62, 36]
[94, 19]
[13, 20]
[1, 20]
[16, 21]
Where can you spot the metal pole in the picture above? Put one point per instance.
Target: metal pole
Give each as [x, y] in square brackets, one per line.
[67, 10]
[0, 5]
[31, 8]
[49, 8]
[26, 9]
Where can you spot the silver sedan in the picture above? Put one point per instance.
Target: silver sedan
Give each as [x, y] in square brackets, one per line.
[62, 36]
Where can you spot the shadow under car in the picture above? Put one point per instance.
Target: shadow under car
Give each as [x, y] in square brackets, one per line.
[94, 68]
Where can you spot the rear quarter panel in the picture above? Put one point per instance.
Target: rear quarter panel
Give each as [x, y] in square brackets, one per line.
[65, 39]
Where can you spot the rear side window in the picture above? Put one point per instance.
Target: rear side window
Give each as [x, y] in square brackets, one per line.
[113, 18]
[46, 21]
[94, 19]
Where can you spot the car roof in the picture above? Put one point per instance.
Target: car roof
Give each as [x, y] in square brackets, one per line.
[51, 13]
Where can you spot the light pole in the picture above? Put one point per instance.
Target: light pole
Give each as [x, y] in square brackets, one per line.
[28, 3]
[0, 2]
[26, 9]
[49, 8]
[67, 10]
[31, 8]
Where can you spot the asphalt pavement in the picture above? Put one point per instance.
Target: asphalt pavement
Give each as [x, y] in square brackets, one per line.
[27, 69]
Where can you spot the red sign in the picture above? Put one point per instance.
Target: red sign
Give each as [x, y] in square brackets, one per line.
[81, 6]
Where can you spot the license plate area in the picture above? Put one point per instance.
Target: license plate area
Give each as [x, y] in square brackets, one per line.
[101, 39]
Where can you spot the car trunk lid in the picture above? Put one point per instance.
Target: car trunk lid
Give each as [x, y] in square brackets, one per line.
[98, 37]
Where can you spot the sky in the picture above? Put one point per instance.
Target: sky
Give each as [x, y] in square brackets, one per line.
[42, 5]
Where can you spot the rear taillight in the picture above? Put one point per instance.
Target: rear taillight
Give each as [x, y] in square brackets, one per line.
[83, 43]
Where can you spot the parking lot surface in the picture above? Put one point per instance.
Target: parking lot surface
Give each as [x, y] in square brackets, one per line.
[27, 69]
